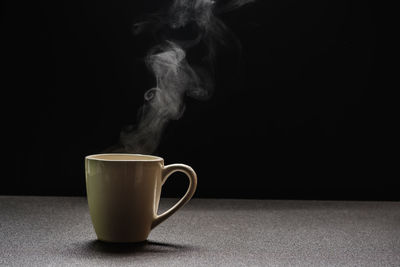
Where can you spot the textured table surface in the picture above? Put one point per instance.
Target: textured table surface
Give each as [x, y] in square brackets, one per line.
[57, 231]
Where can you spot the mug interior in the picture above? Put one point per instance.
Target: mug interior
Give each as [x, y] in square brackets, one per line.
[123, 157]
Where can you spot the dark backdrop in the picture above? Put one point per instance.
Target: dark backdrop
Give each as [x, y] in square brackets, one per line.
[296, 115]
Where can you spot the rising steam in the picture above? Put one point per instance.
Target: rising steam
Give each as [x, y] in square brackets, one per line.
[185, 25]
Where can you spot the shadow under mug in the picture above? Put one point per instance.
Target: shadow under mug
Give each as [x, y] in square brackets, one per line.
[123, 192]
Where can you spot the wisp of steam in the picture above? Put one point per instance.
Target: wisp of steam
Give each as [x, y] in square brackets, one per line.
[184, 25]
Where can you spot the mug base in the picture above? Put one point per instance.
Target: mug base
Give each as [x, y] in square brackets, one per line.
[122, 241]
[138, 242]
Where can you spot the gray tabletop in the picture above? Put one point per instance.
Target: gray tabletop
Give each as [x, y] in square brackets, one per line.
[57, 231]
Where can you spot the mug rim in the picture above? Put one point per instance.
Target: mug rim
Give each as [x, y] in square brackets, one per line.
[140, 157]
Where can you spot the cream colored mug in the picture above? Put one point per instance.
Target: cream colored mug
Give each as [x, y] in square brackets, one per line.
[123, 192]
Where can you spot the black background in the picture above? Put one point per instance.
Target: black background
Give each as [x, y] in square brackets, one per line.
[296, 114]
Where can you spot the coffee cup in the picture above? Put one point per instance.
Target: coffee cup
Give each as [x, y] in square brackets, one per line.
[123, 193]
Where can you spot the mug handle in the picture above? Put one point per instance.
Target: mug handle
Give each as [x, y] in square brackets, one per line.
[166, 172]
